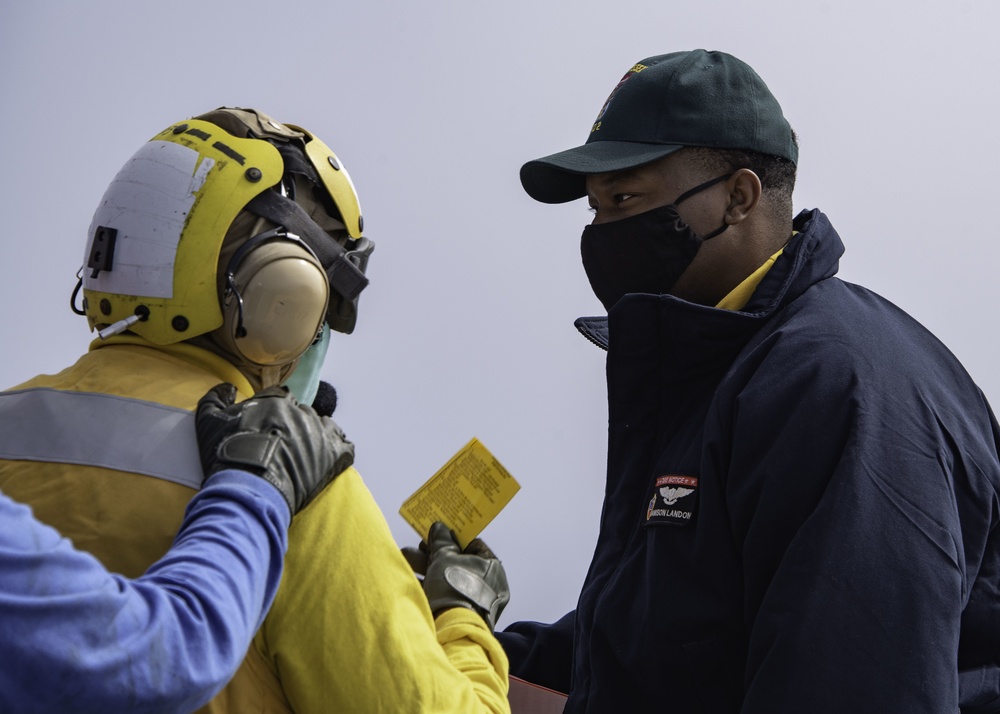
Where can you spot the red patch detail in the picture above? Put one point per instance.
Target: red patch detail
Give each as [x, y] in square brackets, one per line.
[675, 480]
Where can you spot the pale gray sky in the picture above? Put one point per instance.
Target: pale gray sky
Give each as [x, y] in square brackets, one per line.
[466, 329]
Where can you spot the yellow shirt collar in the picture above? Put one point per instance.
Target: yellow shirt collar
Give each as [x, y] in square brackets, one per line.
[739, 296]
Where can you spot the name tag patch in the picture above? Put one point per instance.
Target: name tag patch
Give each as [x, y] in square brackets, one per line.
[673, 500]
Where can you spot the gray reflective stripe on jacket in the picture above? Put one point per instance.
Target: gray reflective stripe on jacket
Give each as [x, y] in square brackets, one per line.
[91, 429]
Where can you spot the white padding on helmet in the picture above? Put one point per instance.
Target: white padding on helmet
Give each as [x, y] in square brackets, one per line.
[148, 203]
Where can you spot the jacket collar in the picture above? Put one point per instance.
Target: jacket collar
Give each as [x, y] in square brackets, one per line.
[193, 355]
[812, 255]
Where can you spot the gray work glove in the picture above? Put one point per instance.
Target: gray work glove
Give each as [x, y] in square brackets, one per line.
[272, 436]
[472, 578]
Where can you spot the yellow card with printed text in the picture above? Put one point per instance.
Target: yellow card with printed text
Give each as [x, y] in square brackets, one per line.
[466, 493]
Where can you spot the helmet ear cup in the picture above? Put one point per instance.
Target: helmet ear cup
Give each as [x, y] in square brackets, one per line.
[275, 300]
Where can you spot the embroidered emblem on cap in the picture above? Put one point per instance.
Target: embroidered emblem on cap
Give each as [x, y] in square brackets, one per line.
[636, 68]
[673, 501]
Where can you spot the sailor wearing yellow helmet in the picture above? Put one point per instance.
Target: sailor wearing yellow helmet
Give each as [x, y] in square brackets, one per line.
[226, 250]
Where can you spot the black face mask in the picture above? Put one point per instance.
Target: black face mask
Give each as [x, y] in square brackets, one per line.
[644, 253]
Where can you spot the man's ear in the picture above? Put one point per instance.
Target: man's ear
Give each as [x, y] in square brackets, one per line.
[744, 195]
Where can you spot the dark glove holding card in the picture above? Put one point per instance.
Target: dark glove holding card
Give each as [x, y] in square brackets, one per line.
[472, 578]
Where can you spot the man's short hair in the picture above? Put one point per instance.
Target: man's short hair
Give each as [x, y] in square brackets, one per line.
[776, 173]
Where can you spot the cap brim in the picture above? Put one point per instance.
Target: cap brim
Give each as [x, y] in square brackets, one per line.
[561, 177]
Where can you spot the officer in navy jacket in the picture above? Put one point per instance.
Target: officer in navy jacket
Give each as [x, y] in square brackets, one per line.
[801, 503]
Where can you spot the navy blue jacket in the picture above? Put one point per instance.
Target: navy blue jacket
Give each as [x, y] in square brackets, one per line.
[800, 512]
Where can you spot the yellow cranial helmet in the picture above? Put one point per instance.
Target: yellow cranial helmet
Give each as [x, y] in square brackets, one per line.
[152, 263]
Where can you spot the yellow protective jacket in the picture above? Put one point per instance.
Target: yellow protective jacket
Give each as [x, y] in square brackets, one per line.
[350, 629]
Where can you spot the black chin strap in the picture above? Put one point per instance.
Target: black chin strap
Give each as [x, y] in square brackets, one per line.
[345, 269]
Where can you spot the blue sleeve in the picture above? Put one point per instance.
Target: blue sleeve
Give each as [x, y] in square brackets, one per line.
[542, 654]
[74, 637]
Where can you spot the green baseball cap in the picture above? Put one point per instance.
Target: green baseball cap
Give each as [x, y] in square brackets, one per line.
[662, 104]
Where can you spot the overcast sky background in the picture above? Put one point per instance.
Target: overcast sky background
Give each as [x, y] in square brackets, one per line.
[467, 326]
